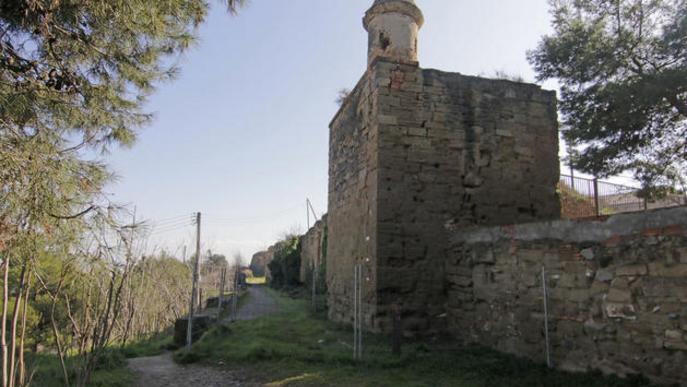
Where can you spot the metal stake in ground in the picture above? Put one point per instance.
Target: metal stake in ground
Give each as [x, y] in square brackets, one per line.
[314, 287]
[220, 299]
[235, 295]
[360, 312]
[396, 329]
[357, 311]
[196, 275]
[546, 316]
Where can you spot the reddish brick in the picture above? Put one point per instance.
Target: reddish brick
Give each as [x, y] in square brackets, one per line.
[652, 232]
[612, 242]
[675, 230]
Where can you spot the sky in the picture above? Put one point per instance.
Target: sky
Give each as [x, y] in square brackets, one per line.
[242, 134]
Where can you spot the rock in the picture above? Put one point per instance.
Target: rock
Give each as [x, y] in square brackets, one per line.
[595, 326]
[619, 295]
[622, 311]
[588, 254]
[674, 339]
[631, 270]
[604, 275]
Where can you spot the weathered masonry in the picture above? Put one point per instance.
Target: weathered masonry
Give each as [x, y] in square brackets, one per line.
[617, 292]
[312, 244]
[414, 153]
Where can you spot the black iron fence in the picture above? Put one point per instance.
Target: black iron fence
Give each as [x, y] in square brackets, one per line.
[581, 198]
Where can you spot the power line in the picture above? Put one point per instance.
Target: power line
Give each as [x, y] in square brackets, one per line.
[171, 227]
[155, 233]
[187, 217]
[179, 223]
[215, 219]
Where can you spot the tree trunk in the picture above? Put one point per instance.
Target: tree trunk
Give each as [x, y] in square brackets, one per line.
[20, 364]
[56, 332]
[5, 298]
[15, 319]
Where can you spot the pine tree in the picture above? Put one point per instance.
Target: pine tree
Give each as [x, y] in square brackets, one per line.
[622, 65]
[74, 79]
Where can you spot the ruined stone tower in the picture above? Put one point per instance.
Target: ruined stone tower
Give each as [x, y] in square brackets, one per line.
[414, 153]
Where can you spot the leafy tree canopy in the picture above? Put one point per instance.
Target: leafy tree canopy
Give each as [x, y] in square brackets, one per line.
[74, 77]
[622, 65]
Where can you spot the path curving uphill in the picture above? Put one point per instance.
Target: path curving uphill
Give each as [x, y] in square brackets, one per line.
[162, 371]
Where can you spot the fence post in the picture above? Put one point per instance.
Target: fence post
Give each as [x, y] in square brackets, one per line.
[313, 278]
[396, 330]
[596, 197]
[355, 312]
[546, 316]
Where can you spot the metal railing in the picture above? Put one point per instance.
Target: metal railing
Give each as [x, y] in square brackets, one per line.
[582, 198]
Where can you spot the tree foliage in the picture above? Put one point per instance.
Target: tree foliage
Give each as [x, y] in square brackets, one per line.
[74, 80]
[622, 65]
[286, 265]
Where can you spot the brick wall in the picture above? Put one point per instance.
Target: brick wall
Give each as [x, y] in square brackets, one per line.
[617, 292]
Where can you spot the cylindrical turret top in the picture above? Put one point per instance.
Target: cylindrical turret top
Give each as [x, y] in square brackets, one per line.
[392, 26]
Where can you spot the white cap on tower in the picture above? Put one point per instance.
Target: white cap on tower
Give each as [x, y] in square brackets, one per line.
[392, 26]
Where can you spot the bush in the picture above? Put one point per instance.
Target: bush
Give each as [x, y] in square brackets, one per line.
[110, 359]
[286, 264]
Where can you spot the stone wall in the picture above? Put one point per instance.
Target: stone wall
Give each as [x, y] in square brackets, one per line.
[415, 151]
[455, 150]
[260, 261]
[352, 210]
[617, 292]
[312, 249]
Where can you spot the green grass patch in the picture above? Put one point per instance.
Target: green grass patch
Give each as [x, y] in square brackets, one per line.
[110, 372]
[153, 346]
[294, 348]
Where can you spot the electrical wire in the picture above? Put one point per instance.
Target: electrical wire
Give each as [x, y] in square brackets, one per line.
[165, 231]
[220, 220]
[172, 225]
[172, 220]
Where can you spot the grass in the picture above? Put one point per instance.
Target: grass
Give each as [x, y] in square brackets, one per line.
[110, 372]
[111, 369]
[294, 348]
[152, 346]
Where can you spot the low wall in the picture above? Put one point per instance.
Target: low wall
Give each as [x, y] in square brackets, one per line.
[311, 249]
[617, 292]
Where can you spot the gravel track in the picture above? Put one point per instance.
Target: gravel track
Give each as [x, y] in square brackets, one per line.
[162, 371]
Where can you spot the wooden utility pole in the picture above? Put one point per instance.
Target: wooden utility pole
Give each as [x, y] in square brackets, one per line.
[183, 257]
[196, 277]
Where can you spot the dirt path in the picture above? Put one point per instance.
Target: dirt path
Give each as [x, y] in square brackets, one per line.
[259, 304]
[162, 371]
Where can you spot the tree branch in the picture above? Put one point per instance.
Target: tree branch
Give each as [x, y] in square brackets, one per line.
[69, 217]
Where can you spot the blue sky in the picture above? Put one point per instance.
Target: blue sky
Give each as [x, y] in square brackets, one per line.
[242, 134]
